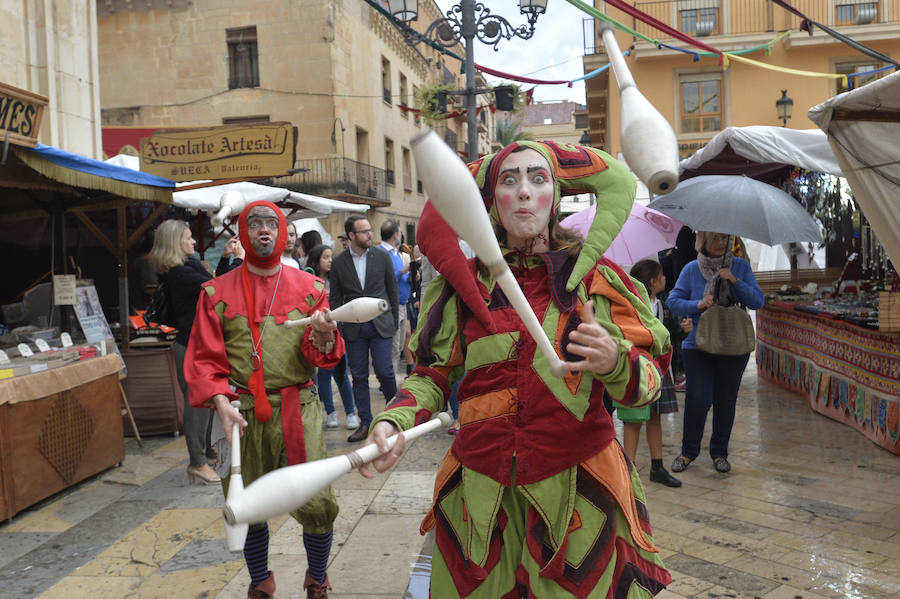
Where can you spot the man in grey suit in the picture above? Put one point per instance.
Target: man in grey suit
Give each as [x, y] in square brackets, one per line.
[364, 271]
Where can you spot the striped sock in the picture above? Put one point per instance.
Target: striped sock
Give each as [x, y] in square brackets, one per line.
[256, 553]
[318, 547]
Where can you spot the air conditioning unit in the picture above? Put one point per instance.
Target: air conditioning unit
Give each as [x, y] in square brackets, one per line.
[865, 14]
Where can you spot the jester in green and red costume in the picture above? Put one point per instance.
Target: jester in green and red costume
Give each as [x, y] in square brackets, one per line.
[536, 498]
[240, 349]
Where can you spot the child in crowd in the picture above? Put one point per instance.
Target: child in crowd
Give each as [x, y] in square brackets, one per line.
[650, 273]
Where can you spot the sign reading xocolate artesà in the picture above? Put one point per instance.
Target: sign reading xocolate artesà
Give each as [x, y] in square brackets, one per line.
[229, 152]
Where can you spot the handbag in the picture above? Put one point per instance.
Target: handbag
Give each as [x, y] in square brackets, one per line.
[160, 309]
[725, 330]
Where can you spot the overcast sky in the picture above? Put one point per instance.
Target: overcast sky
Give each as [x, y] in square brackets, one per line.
[554, 52]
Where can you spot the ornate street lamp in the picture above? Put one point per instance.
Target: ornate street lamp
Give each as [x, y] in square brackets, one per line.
[464, 22]
[785, 106]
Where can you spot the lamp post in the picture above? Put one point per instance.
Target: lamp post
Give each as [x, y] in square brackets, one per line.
[785, 106]
[585, 138]
[464, 22]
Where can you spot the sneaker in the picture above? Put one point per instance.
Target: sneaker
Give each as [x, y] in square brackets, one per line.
[352, 422]
[680, 386]
[331, 420]
[722, 465]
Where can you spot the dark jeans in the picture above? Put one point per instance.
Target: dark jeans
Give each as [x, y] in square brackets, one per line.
[711, 381]
[369, 342]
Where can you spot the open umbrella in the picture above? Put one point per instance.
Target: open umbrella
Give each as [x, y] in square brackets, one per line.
[644, 233]
[739, 205]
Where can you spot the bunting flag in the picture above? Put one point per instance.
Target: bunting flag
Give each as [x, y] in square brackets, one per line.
[772, 67]
[838, 36]
[519, 78]
[657, 24]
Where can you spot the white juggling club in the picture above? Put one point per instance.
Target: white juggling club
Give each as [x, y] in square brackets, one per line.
[454, 193]
[286, 489]
[230, 204]
[362, 309]
[235, 534]
[648, 141]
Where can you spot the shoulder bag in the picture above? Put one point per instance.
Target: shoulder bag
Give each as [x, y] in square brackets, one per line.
[725, 331]
[160, 309]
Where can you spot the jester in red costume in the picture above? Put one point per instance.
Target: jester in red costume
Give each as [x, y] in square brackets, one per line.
[536, 498]
[239, 349]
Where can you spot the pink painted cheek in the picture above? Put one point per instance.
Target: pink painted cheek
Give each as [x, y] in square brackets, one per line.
[505, 200]
[545, 200]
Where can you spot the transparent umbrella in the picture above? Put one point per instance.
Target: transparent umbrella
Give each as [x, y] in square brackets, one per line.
[739, 205]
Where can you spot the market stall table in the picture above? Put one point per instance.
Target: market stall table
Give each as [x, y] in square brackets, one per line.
[58, 427]
[847, 372]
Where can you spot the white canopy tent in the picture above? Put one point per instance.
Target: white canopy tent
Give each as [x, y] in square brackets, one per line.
[737, 150]
[300, 205]
[763, 153]
[863, 129]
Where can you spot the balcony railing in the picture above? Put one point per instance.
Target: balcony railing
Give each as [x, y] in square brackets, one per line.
[703, 18]
[338, 176]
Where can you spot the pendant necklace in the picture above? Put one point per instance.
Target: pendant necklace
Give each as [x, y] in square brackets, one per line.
[254, 354]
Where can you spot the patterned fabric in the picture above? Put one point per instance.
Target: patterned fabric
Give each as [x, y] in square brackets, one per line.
[668, 401]
[847, 373]
[516, 419]
[510, 550]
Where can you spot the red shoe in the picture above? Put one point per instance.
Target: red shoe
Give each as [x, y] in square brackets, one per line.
[316, 590]
[264, 590]
[680, 386]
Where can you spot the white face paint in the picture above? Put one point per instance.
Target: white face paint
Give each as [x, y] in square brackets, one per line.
[524, 197]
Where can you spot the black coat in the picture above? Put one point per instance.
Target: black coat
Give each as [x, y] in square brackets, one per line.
[381, 282]
[183, 284]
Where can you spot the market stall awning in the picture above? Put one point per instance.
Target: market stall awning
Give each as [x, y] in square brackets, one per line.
[83, 172]
[863, 129]
[762, 153]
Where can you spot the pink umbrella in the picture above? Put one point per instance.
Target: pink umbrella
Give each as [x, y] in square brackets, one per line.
[646, 232]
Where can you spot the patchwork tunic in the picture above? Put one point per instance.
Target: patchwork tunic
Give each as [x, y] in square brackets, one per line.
[535, 498]
[218, 361]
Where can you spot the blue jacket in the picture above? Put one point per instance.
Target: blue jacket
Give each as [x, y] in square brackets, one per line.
[688, 292]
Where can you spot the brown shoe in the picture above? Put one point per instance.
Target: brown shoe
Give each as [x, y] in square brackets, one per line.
[359, 434]
[264, 590]
[316, 590]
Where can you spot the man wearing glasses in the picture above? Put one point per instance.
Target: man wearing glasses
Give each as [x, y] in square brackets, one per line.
[363, 271]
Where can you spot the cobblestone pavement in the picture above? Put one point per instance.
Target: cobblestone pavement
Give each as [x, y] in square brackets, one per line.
[810, 510]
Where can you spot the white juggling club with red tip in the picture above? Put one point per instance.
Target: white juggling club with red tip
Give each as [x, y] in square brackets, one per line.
[454, 193]
[287, 489]
[361, 309]
[235, 534]
[648, 141]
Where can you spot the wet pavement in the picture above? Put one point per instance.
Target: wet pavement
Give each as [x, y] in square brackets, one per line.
[810, 510]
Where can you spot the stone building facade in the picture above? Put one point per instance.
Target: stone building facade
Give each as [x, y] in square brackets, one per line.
[50, 48]
[339, 71]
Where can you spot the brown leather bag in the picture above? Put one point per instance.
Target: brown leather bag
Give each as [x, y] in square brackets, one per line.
[725, 331]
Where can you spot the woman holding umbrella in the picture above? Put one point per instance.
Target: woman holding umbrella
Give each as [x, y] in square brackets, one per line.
[712, 380]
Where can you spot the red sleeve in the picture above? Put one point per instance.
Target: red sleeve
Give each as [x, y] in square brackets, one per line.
[206, 367]
[312, 355]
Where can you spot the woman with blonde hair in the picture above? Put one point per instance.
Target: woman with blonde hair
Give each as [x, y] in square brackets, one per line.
[172, 257]
[712, 381]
